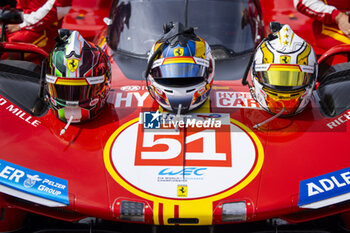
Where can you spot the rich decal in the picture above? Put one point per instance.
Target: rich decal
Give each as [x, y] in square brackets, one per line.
[33, 182]
[324, 187]
[340, 120]
[225, 99]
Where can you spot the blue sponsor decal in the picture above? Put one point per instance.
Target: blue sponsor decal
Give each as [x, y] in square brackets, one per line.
[151, 120]
[188, 171]
[33, 182]
[325, 186]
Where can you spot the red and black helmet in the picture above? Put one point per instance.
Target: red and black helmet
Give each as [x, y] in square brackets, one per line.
[78, 78]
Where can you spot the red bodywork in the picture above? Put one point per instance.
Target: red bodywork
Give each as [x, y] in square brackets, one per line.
[288, 150]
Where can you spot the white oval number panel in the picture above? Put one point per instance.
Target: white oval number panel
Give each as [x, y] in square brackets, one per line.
[184, 164]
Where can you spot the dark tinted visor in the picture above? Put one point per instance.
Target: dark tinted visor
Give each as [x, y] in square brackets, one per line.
[179, 71]
[78, 89]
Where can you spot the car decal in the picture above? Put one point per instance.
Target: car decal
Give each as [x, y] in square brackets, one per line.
[324, 190]
[233, 99]
[152, 166]
[18, 112]
[33, 185]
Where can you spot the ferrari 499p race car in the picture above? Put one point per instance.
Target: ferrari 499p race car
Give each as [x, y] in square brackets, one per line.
[227, 166]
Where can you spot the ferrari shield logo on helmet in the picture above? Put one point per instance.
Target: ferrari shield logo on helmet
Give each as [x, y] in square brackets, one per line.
[72, 64]
[285, 59]
[178, 52]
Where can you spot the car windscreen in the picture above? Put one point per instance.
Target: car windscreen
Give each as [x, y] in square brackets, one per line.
[137, 25]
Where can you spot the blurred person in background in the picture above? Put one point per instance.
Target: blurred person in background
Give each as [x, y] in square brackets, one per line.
[331, 20]
[42, 19]
[8, 3]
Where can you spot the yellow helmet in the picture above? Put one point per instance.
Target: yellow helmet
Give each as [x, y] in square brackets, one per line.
[284, 73]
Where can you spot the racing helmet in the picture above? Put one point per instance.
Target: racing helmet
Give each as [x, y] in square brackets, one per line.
[284, 72]
[77, 77]
[180, 69]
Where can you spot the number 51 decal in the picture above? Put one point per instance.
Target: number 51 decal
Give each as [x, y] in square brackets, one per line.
[194, 147]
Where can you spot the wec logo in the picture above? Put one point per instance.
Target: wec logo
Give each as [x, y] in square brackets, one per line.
[182, 172]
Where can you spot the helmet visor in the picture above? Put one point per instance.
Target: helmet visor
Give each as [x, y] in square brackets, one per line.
[287, 100]
[75, 89]
[179, 71]
[180, 67]
[284, 75]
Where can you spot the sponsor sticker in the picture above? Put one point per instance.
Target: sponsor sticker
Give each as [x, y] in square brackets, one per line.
[340, 120]
[285, 59]
[33, 182]
[179, 51]
[130, 88]
[324, 187]
[182, 190]
[72, 64]
[232, 99]
[18, 112]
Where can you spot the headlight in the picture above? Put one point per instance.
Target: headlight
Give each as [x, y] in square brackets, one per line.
[132, 211]
[234, 211]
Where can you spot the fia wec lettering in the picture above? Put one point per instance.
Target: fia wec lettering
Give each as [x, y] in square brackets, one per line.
[323, 187]
[182, 172]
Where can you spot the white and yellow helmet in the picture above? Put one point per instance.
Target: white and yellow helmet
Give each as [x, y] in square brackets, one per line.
[284, 73]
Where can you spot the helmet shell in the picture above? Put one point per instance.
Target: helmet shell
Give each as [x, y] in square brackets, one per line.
[78, 79]
[181, 74]
[284, 73]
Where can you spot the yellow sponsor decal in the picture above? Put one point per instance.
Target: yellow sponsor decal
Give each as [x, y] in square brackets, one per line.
[72, 81]
[72, 64]
[285, 59]
[182, 190]
[178, 60]
[178, 51]
[281, 67]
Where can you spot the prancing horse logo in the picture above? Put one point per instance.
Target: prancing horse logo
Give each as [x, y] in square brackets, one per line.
[182, 190]
[285, 59]
[178, 51]
[72, 64]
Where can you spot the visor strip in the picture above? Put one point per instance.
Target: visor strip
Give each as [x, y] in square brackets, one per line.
[75, 81]
[173, 60]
